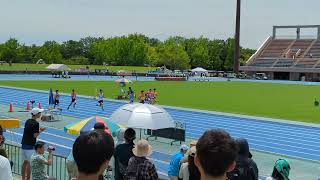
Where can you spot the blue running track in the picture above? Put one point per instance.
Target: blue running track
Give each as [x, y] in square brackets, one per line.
[274, 137]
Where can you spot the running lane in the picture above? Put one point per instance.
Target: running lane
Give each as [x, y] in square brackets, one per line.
[299, 141]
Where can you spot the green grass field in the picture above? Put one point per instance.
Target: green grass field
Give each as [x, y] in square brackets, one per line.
[42, 67]
[293, 102]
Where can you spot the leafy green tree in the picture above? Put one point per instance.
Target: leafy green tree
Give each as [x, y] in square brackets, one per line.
[173, 55]
[9, 50]
[72, 48]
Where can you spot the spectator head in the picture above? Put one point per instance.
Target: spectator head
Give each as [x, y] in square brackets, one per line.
[100, 90]
[281, 169]
[184, 148]
[36, 113]
[129, 135]
[216, 154]
[92, 152]
[72, 90]
[154, 89]
[39, 147]
[129, 87]
[142, 148]
[193, 143]
[99, 126]
[120, 136]
[142, 91]
[57, 90]
[243, 148]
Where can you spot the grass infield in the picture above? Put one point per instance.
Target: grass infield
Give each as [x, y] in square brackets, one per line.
[293, 102]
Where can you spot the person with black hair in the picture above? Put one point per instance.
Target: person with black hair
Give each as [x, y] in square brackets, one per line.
[280, 171]
[123, 153]
[39, 162]
[216, 155]
[100, 96]
[92, 152]
[246, 168]
[56, 99]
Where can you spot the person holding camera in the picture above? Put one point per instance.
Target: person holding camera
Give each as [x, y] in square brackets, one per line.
[39, 162]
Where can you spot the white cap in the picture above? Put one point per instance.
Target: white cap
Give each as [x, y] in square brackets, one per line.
[36, 110]
[184, 147]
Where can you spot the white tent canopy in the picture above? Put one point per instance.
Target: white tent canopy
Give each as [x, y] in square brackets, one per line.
[58, 67]
[143, 116]
[199, 69]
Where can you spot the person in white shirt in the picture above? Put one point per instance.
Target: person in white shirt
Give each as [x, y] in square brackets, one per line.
[5, 169]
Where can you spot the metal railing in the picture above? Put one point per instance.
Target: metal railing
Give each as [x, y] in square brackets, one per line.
[58, 169]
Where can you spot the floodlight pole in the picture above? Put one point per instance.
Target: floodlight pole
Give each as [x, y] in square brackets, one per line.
[236, 62]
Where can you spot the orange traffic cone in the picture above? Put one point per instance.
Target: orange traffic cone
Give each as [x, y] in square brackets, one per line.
[28, 106]
[39, 106]
[11, 107]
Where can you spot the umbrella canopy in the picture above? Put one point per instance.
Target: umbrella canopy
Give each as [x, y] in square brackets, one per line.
[9, 123]
[144, 116]
[123, 81]
[51, 101]
[199, 69]
[87, 125]
[58, 67]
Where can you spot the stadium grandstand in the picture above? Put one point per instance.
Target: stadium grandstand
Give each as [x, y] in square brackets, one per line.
[282, 58]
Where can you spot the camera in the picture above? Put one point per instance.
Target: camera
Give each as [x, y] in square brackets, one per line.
[51, 148]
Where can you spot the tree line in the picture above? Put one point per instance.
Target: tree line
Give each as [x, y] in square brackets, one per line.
[132, 50]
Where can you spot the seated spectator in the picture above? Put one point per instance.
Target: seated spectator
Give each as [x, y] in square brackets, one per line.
[123, 153]
[175, 162]
[39, 162]
[281, 170]
[216, 155]
[92, 152]
[246, 168]
[188, 170]
[139, 167]
[5, 169]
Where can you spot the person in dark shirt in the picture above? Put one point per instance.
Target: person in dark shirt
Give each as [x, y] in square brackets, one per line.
[29, 138]
[123, 153]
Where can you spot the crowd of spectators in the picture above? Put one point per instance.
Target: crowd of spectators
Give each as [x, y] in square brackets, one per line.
[214, 156]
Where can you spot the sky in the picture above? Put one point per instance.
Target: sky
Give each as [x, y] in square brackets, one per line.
[35, 21]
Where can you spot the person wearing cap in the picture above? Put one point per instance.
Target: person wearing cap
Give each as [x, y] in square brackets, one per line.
[281, 170]
[188, 170]
[139, 166]
[30, 133]
[123, 153]
[39, 162]
[175, 162]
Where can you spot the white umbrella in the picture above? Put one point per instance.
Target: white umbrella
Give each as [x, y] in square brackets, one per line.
[143, 116]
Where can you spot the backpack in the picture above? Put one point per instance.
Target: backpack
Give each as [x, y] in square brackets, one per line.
[132, 172]
[242, 171]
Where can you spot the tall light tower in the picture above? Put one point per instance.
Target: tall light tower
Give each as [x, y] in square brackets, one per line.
[236, 61]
